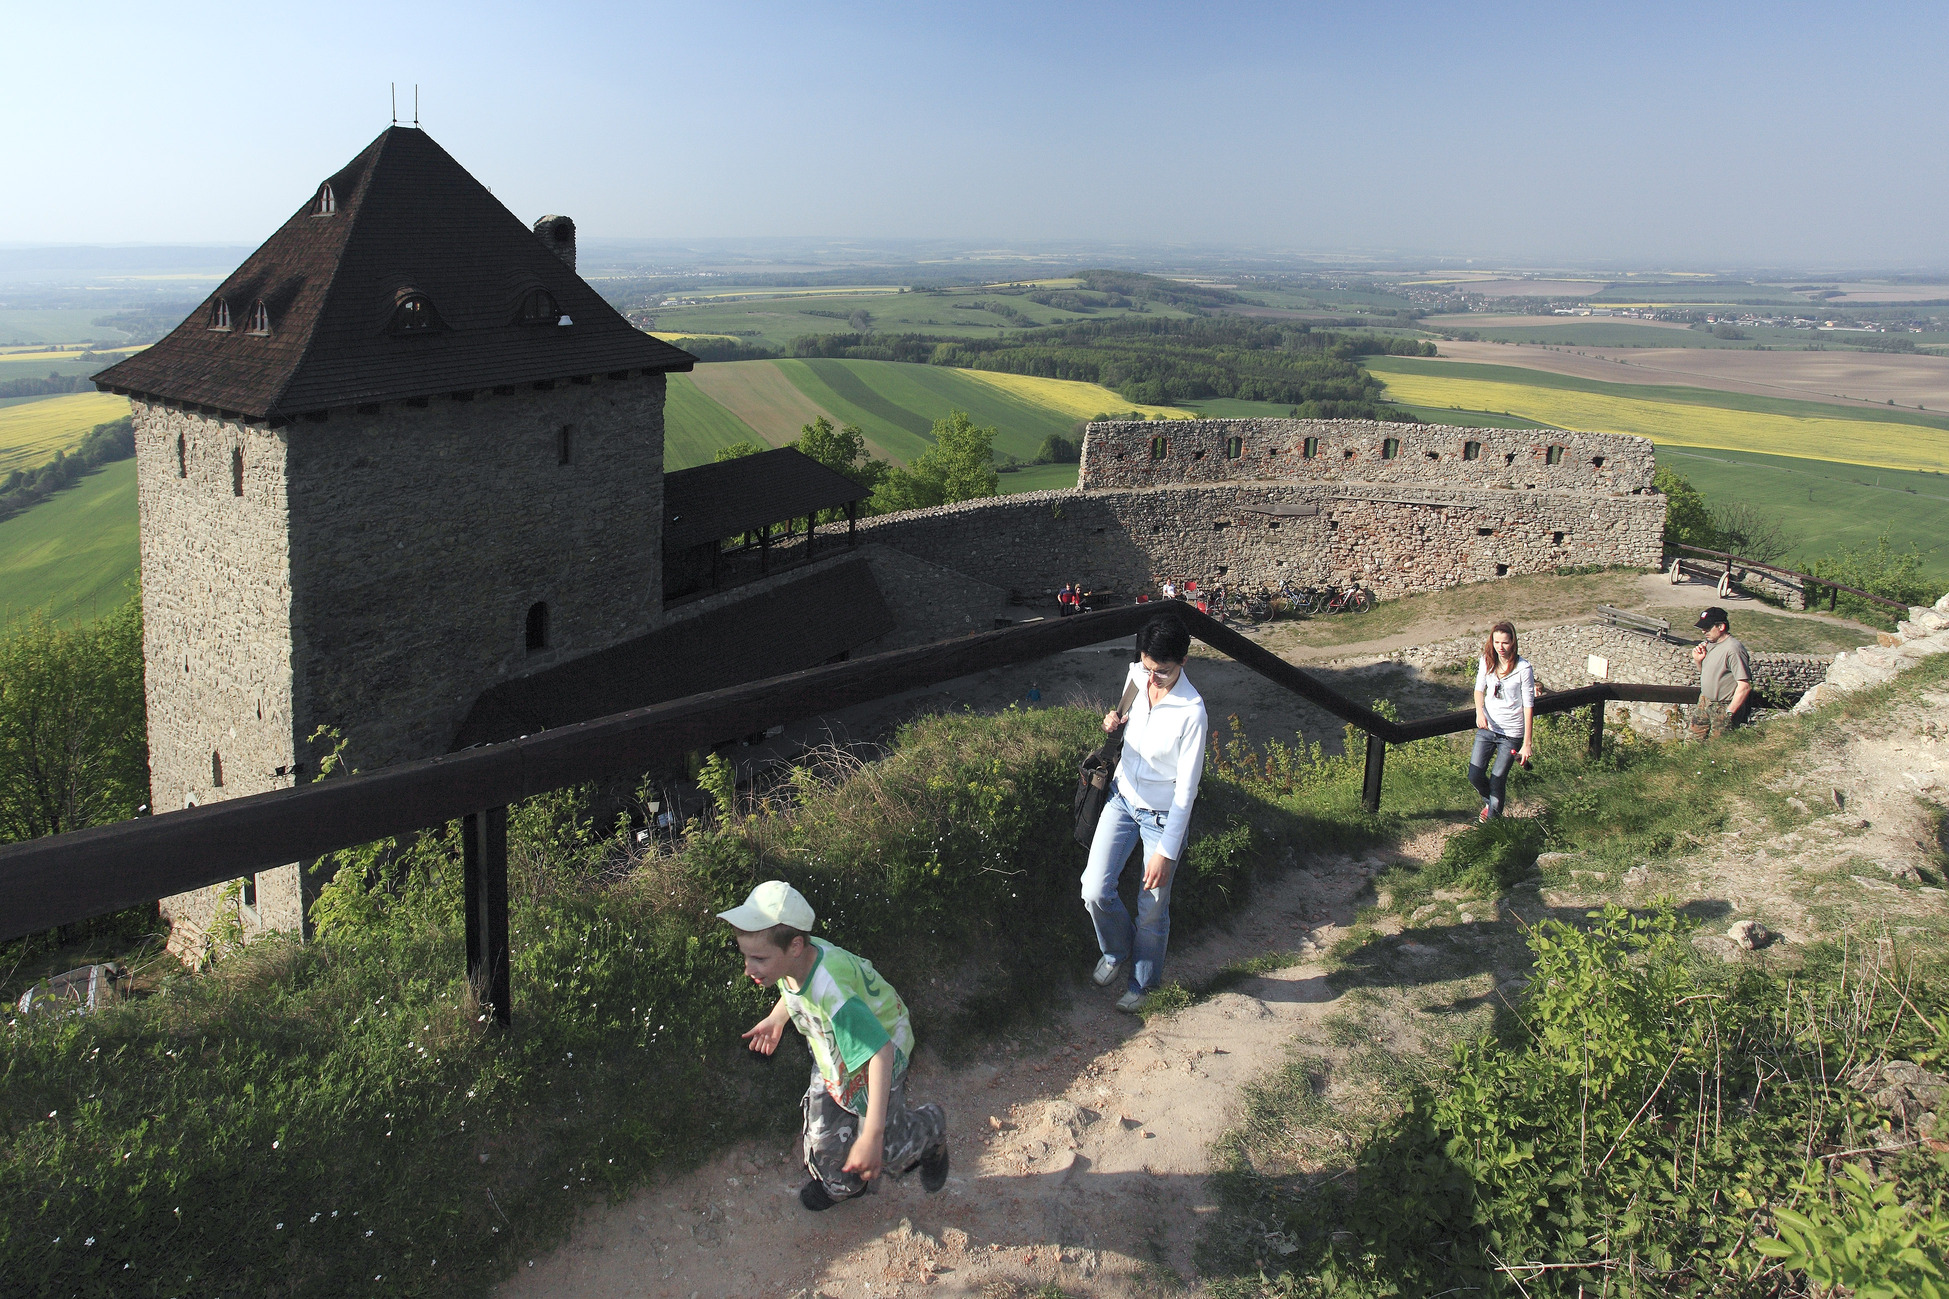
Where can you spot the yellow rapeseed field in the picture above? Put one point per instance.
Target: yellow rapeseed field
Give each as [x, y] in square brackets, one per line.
[1068, 396]
[1861, 442]
[33, 431]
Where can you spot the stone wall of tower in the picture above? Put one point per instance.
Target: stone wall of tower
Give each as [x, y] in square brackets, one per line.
[216, 627]
[421, 536]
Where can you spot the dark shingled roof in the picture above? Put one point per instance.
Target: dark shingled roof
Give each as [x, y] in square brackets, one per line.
[789, 628]
[409, 219]
[715, 501]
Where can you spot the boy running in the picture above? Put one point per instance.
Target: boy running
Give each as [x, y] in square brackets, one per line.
[857, 1123]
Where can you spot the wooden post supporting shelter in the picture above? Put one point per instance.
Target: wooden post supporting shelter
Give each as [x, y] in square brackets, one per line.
[484, 889]
[1597, 729]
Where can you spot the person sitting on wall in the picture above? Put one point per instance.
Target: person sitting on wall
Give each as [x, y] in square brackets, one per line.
[1064, 599]
[857, 1121]
[1725, 677]
[1156, 784]
[1170, 591]
[1505, 708]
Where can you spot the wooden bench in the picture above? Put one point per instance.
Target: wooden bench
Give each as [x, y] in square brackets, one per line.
[1657, 628]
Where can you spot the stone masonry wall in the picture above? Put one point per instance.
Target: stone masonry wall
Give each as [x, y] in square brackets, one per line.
[1151, 454]
[1388, 539]
[1561, 657]
[422, 535]
[216, 630]
[373, 572]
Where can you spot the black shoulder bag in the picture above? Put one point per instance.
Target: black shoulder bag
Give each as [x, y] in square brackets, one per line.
[1098, 770]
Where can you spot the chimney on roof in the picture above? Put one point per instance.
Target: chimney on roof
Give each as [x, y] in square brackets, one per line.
[558, 233]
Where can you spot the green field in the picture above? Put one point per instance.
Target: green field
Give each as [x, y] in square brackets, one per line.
[74, 556]
[1037, 478]
[1825, 505]
[54, 325]
[774, 318]
[896, 404]
[694, 426]
[1615, 333]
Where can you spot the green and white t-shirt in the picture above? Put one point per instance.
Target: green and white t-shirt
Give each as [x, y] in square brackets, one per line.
[847, 1012]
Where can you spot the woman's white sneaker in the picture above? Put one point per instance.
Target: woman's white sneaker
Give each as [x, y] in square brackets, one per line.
[1106, 970]
[1130, 1002]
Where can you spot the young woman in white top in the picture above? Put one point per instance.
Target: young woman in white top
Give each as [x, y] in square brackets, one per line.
[1505, 706]
[1156, 784]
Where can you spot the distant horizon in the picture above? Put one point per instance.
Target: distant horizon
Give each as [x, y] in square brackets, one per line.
[1517, 134]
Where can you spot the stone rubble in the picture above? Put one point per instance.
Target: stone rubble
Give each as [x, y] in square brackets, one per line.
[1923, 633]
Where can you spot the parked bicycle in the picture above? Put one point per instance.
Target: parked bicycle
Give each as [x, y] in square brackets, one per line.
[1351, 600]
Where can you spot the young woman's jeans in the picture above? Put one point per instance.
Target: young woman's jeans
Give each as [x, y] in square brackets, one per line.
[1491, 779]
[1138, 948]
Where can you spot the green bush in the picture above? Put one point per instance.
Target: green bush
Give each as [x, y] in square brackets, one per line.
[1489, 857]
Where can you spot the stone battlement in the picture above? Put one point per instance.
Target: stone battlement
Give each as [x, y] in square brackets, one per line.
[1160, 453]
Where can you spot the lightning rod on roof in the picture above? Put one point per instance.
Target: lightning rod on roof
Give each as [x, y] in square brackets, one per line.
[416, 103]
[395, 93]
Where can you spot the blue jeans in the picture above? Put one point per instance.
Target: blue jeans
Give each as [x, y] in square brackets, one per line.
[1121, 828]
[1491, 779]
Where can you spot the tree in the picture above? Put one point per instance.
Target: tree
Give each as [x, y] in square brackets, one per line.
[73, 741]
[738, 450]
[1059, 450]
[1749, 532]
[1688, 521]
[861, 321]
[958, 467]
[842, 450]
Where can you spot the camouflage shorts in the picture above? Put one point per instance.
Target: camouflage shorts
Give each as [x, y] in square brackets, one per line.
[830, 1129]
[1710, 717]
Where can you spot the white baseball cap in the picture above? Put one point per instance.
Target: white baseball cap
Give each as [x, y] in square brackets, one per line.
[772, 903]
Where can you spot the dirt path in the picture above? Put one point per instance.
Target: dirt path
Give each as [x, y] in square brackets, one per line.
[1078, 1159]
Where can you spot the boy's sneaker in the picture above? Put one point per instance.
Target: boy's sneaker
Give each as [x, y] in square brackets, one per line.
[1129, 1002]
[814, 1196]
[933, 1167]
[1106, 970]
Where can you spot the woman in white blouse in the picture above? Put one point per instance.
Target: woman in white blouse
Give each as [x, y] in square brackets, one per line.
[1156, 783]
[1505, 706]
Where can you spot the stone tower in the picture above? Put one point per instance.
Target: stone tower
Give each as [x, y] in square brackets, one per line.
[402, 453]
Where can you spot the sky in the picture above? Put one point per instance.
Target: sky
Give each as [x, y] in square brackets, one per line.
[1701, 136]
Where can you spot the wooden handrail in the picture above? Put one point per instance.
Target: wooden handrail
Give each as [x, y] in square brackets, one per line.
[1794, 572]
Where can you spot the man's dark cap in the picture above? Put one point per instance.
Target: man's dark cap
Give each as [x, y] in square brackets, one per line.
[1711, 618]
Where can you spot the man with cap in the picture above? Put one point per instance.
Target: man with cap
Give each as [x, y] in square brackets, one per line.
[857, 1122]
[1725, 677]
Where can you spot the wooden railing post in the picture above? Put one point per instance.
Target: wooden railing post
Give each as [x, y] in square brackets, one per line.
[1597, 729]
[484, 884]
[1370, 787]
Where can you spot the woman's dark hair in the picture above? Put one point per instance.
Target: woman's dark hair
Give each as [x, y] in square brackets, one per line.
[1165, 639]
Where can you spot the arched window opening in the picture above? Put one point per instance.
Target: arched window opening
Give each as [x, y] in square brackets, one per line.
[414, 315]
[327, 201]
[1554, 456]
[1234, 448]
[565, 445]
[1309, 448]
[539, 308]
[219, 314]
[260, 320]
[236, 471]
[1390, 447]
[537, 626]
[182, 456]
[1471, 450]
[1159, 448]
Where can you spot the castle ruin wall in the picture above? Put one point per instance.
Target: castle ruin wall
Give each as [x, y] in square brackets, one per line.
[1123, 454]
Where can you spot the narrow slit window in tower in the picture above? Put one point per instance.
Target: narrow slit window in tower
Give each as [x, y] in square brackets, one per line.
[538, 626]
[216, 769]
[1309, 448]
[182, 456]
[236, 471]
[565, 445]
[1471, 450]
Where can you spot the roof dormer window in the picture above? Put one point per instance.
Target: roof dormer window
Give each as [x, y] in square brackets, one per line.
[540, 308]
[260, 320]
[220, 314]
[414, 315]
[327, 201]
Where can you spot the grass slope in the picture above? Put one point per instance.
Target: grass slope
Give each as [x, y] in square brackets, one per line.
[1607, 333]
[31, 432]
[1038, 478]
[73, 556]
[1728, 422]
[694, 426]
